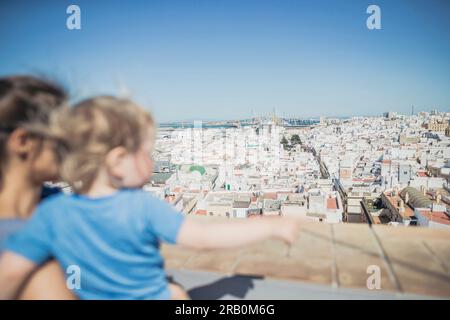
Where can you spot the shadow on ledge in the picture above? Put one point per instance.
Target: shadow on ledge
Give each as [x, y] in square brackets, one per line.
[237, 286]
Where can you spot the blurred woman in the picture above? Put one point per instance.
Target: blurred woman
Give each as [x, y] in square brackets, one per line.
[27, 160]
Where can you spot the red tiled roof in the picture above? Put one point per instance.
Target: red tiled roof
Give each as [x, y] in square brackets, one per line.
[362, 180]
[394, 202]
[436, 216]
[270, 195]
[422, 174]
[332, 203]
[201, 212]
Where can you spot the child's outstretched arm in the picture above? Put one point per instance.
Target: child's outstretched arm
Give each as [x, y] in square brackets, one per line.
[14, 271]
[235, 233]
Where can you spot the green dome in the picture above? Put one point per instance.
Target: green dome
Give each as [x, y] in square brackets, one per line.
[200, 169]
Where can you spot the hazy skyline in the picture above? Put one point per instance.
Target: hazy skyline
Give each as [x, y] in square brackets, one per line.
[200, 59]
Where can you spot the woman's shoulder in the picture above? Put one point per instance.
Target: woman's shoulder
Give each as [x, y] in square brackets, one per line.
[8, 224]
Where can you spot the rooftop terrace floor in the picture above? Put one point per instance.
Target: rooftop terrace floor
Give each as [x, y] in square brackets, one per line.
[327, 261]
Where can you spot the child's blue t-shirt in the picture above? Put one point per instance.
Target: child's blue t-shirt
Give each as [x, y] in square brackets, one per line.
[113, 241]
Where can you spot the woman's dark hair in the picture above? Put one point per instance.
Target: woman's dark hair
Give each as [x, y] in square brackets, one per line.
[25, 100]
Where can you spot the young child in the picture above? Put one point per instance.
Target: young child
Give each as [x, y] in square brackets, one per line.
[109, 228]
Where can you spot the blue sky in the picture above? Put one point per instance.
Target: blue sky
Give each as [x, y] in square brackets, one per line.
[221, 59]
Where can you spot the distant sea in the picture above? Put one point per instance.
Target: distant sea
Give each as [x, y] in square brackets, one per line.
[186, 125]
[230, 124]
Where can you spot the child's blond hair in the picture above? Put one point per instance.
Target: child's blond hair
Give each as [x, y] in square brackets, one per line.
[93, 127]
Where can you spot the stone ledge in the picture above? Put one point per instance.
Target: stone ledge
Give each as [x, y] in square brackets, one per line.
[411, 260]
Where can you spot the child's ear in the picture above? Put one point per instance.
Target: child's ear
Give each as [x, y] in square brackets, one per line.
[20, 143]
[115, 161]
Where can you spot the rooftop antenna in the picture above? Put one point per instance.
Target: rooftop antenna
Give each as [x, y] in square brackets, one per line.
[274, 116]
[412, 110]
